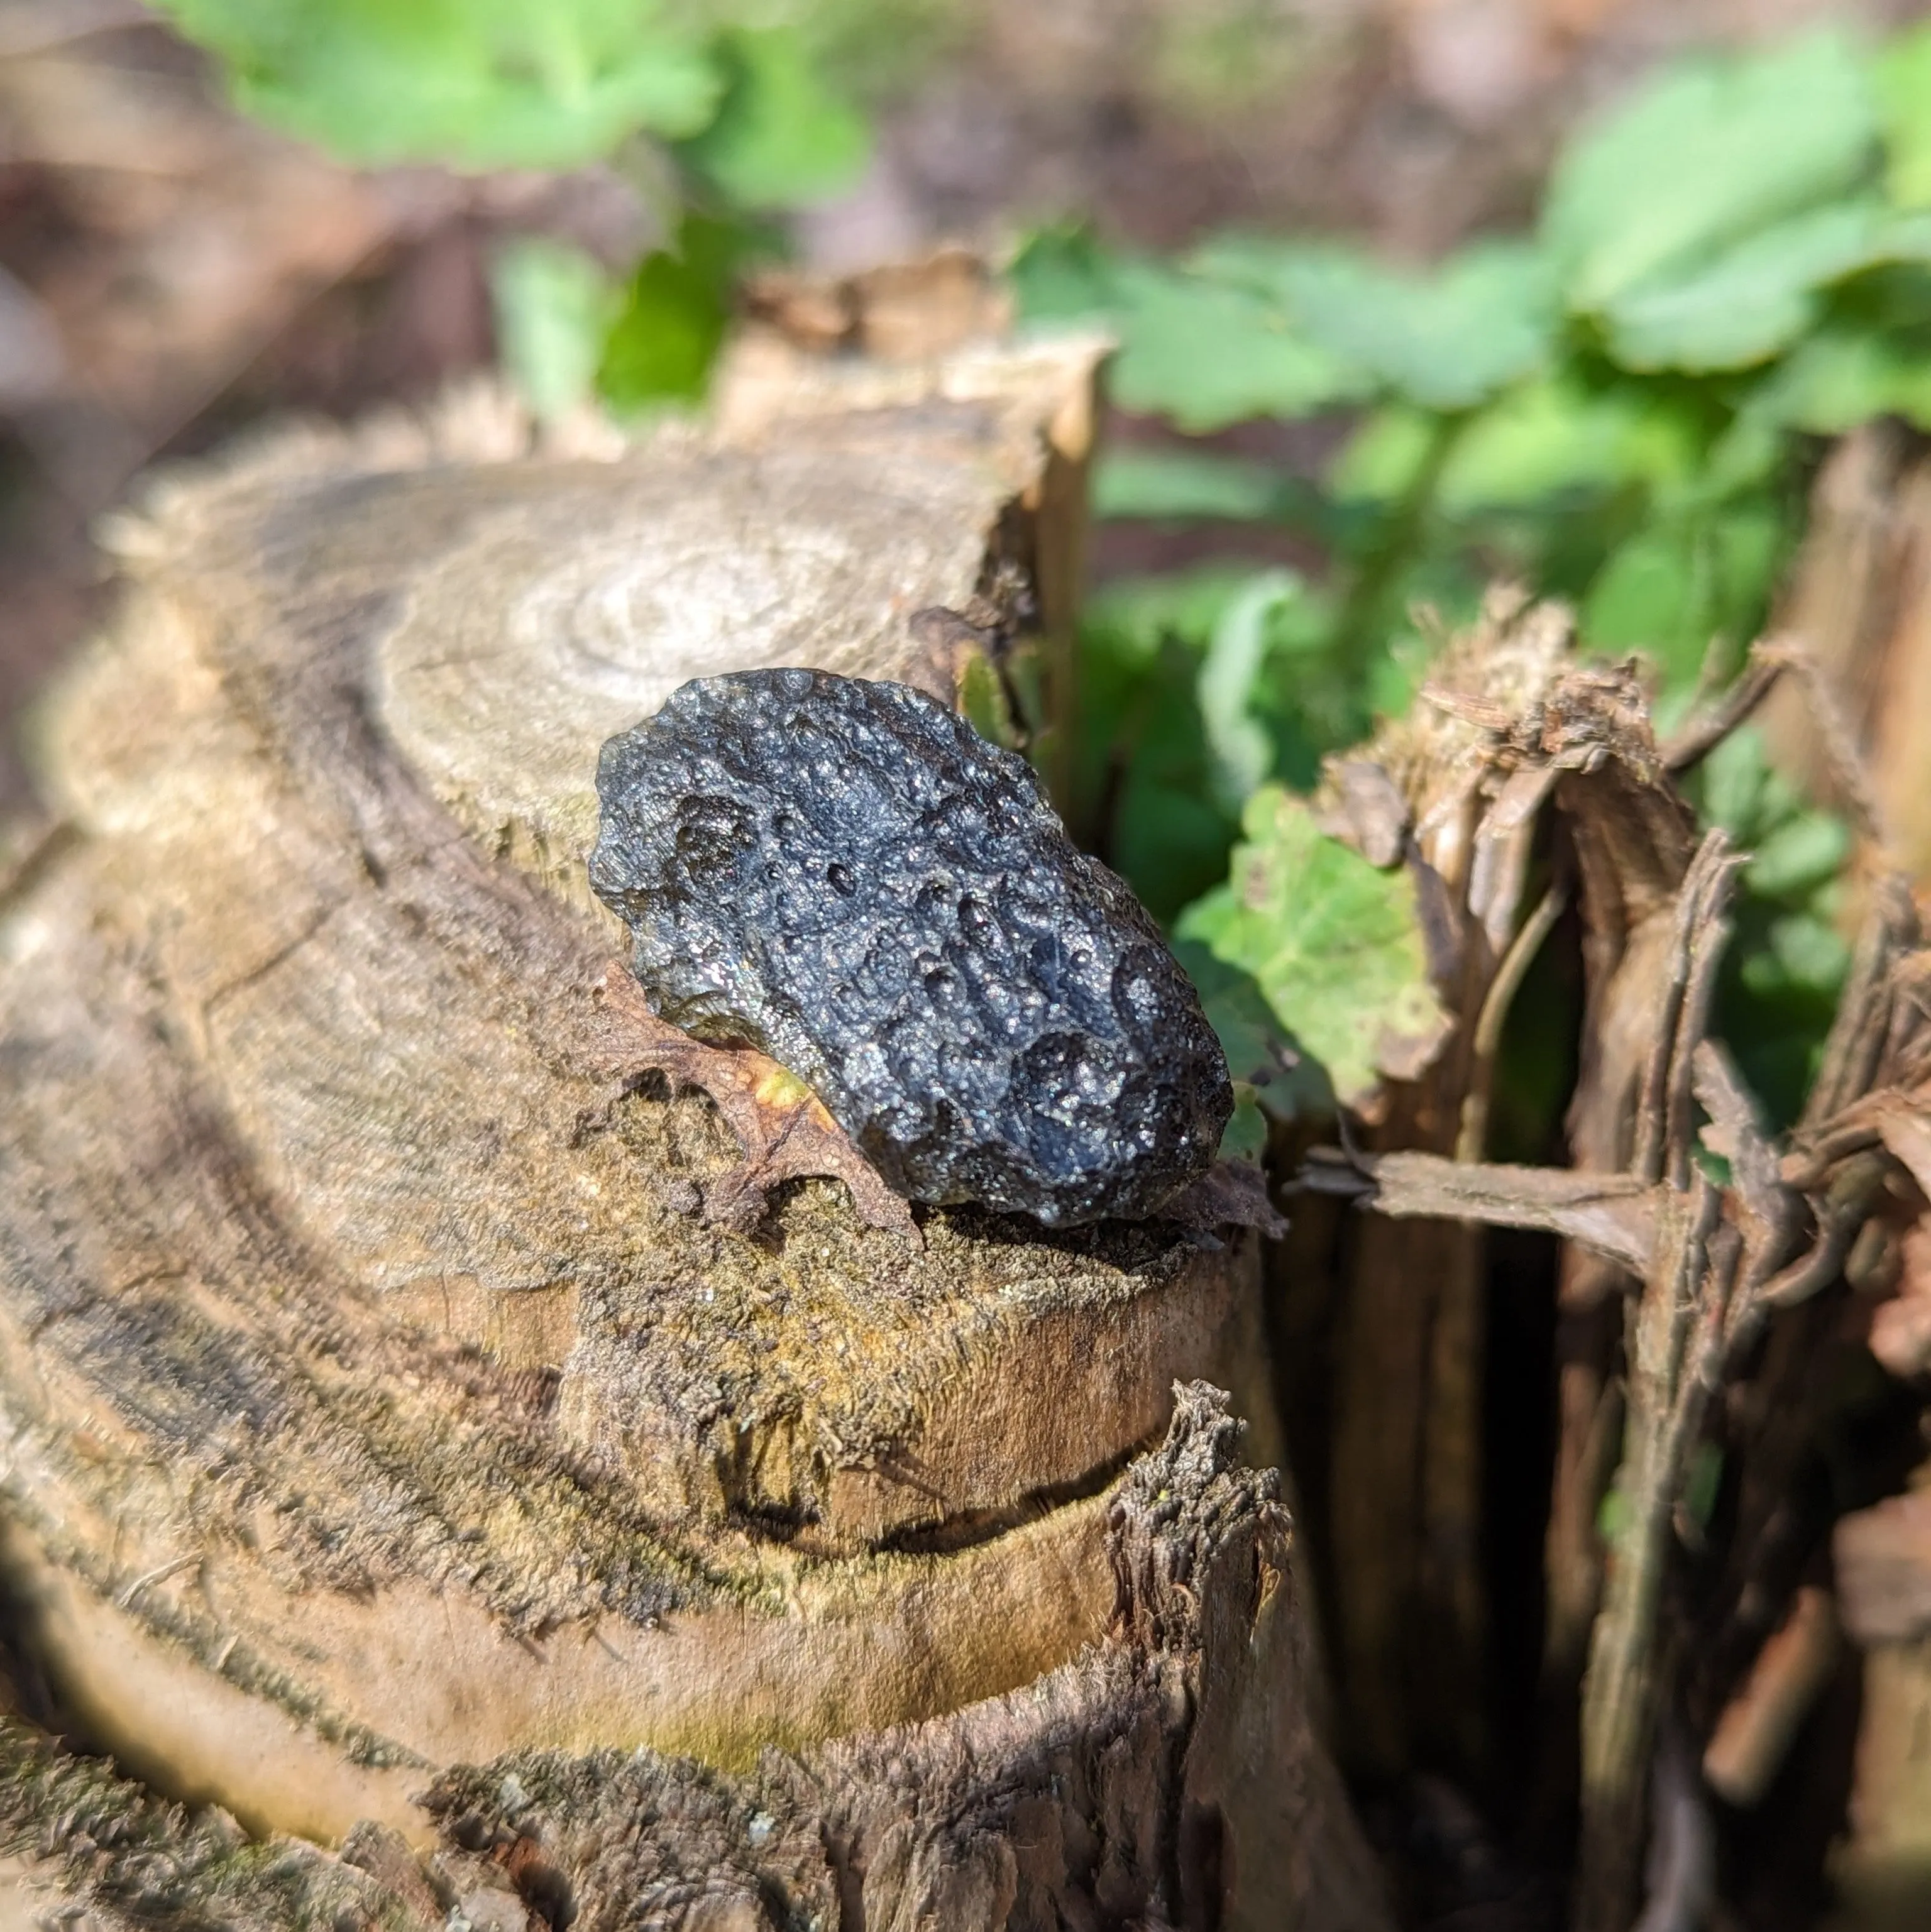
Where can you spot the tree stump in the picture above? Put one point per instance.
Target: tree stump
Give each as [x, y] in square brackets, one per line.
[375, 1406]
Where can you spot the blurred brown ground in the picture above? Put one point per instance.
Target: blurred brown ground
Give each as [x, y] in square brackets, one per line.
[169, 273]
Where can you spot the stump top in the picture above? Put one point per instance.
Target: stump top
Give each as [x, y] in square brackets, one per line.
[317, 662]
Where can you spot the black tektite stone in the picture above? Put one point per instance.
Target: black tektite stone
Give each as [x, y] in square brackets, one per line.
[846, 876]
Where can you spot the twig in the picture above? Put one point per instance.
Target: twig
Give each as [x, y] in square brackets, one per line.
[1675, 1350]
[1700, 735]
[1473, 1132]
[1613, 1215]
[1620, 1689]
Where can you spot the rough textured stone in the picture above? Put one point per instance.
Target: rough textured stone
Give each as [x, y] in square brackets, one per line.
[845, 875]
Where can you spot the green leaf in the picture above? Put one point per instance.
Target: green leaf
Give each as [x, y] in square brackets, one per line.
[476, 84]
[1260, 1057]
[1737, 789]
[1807, 850]
[1445, 341]
[1644, 599]
[667, 336]
[984, 705]
[1805, 953]
[781, 139]
[1137, 613]
[1543, 442]
[1172, 484]
[1167, 841]
[1902, 73]
[1142, 758]
[1242, 753]
[1842, 375]
[554, 305]
[1334, 945]
[1245, 1137]
[1704, 156]
[1380, 462]
[1749, 302]
[1751, 453]
[1557, 438]
[1207, 355]
[1679, 585]
[1204, 352]
[1063, 275]
[1250, 1035]
[1796, 849]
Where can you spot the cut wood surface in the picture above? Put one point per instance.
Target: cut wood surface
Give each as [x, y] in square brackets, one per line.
[371, 1408]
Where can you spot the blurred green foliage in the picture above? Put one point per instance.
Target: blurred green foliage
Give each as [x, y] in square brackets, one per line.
[1622, 408]
[467, 83]
[724, 116]
[782, 136]
[1787, 960]
[1619, 407]
[671, 320]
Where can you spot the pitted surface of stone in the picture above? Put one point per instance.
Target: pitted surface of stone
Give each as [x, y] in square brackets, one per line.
[845, 875]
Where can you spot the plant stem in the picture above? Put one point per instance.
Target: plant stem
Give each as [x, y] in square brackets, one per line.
[1362, 618]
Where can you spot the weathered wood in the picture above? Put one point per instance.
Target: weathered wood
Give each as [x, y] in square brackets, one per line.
[1882, 1559]
[1459, 806]
[1164, 1778]
[370, 1407]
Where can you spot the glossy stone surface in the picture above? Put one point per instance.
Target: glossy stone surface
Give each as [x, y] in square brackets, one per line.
[844, 874]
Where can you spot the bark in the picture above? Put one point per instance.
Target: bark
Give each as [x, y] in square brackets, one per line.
[370, 1408]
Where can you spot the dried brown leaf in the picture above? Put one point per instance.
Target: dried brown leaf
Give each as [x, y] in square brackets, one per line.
[1362, 806]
